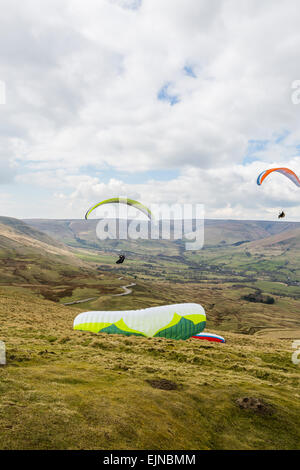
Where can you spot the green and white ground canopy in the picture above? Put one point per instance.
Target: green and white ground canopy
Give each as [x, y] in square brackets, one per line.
[178, 321]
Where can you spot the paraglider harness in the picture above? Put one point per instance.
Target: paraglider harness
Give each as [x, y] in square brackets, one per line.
[121, 259]
[281, 215]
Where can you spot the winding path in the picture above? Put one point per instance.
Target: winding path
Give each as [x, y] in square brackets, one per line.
[80, 301]
[126, 289]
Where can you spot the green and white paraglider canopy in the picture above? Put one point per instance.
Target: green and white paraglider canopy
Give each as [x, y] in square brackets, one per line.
[178, 321]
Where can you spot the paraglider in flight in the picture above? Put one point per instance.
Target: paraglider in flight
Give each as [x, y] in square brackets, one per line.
[122, 200]
[210, 337]
[121, 259]
[281, 215]
[178, 321]
[284, 171]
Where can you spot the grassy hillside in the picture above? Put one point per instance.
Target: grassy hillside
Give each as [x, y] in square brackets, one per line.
[77, 390]
[233, 250]
[30, 257]
[221, 277]
[23, 234]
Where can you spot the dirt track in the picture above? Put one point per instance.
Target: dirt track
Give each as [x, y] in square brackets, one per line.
[126, 289]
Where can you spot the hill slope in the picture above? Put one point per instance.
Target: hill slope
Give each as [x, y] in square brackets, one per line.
[16, 234]
[286, 239]
[242, 256]
[63, 389]
[32, 257]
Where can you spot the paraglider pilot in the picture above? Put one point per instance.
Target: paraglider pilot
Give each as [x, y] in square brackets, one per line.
[121, 259]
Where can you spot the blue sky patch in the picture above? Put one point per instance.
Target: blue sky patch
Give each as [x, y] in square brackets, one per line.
[281, 137]
[128, 4]
[164, 95]
[188, 70]
[254, 146]
[131, 178]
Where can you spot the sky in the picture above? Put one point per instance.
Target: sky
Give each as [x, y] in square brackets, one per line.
[163, 101]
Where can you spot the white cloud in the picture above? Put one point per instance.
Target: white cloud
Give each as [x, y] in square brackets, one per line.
[82, 82]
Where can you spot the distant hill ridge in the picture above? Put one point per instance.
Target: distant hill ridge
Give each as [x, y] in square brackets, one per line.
[29, 257]
[16, 234]
[79, 232]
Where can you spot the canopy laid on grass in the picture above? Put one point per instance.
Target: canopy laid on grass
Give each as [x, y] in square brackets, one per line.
[210, 337]
[178, 321]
